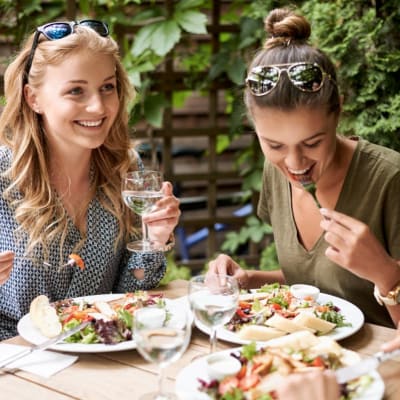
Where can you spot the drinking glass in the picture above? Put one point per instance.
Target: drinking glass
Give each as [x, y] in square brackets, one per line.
[161, 336]
[213, 299]
[141, 190]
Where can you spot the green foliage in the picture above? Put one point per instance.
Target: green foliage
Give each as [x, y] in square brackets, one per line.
[363, 41]
[174, 271]
[361, 37]
[253, 231]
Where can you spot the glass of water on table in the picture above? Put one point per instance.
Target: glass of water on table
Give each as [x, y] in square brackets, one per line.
[213, 300]
[161, 337]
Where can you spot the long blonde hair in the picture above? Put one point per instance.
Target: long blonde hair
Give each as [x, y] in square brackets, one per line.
[38, 211]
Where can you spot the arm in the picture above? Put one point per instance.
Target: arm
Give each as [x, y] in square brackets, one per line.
[394, 343]
[6, 264]
[353, 246]
[247, 279]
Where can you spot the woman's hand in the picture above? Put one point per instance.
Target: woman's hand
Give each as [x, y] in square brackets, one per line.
[309, 385]
[224, 265]
[163, 220]
[394, 343]
[353, 246]
[6, 264]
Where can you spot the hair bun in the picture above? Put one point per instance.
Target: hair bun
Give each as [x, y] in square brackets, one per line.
[283, 25]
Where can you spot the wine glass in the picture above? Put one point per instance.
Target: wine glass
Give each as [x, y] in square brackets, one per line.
[141, 190]
[161, 337]
[213, 299]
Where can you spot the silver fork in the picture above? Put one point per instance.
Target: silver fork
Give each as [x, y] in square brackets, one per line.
[71, 262]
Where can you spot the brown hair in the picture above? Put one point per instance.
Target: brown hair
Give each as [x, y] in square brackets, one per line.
[38, 211]
[288, 43]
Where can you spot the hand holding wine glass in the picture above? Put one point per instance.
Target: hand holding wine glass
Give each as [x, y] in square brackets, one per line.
[141, 190]
[161, 337]
[213, 299]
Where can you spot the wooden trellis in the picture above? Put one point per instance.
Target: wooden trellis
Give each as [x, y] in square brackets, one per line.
[187, 143]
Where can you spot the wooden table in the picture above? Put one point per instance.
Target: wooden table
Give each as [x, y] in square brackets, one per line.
[125, 375]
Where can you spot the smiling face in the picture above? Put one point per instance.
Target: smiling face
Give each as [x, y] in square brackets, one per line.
[301, 143]
[78, 101]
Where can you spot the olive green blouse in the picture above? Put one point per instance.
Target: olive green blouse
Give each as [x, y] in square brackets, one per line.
[370, 193]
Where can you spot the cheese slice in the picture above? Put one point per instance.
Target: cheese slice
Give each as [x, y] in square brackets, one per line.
[297, 341]
[313, 322]
[285, 324]
[259, 332]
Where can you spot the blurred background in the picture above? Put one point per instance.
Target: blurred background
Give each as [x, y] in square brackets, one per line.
[187, 59]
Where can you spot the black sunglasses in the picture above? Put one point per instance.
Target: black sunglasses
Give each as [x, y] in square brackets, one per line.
[305, 76]
[60, 30]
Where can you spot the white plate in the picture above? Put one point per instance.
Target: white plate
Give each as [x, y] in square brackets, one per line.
[31, 334]
[186, 384]
[351, 313]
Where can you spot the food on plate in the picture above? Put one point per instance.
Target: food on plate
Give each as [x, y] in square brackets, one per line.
[312, 322]
[259, 332]
[44, 316]
[74, 260]
[274, 311]
[220, 365]
[306, 292]
[265, 368]
[111, 321]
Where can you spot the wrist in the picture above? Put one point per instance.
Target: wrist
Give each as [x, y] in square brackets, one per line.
[389, 292]
[388, 280]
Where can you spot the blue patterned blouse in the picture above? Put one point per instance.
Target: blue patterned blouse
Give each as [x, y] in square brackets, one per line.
[106, 269]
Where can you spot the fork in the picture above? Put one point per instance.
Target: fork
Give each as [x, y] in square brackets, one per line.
[70, 263]
[311, 188]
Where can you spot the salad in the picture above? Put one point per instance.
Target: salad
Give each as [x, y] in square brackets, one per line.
[111, 321]
[273, 311]
[264, 369]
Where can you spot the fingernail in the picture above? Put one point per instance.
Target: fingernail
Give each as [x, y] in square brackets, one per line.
[323, 211]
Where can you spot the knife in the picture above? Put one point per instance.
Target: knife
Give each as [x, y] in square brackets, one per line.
[364, 366]
[44, 345]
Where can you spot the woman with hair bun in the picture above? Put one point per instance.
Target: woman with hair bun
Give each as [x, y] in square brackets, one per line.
[64, 146]
[333, 201]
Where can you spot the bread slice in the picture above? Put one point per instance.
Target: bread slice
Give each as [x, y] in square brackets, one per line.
[259, 332]
[44, 316]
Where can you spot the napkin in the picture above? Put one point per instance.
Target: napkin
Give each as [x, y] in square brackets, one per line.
[41, 362]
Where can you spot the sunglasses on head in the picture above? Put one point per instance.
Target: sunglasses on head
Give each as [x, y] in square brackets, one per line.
[60, 30]
[305, 76]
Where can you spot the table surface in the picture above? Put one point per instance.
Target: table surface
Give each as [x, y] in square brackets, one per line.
[125, 374]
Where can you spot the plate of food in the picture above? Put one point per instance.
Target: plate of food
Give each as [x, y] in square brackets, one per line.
[264, 368]
[110, 314]
[273, 311]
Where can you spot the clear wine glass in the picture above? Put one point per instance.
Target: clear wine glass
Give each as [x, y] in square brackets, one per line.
[161, 336]
[213, 299]
[141, 190]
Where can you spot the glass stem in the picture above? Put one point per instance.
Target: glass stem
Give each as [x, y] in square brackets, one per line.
[146, 241]
[160, 383]
[213, 340]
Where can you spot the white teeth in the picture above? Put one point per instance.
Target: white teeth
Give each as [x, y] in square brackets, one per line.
[298, 172]
[90, 123]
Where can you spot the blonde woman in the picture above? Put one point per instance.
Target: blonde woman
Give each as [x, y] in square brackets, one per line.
[64, 147]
